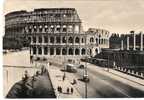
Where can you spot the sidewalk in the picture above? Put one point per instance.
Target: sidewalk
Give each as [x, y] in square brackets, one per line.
[122, 77]
[56, 78]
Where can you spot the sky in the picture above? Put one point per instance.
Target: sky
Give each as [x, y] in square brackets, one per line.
[116, 16]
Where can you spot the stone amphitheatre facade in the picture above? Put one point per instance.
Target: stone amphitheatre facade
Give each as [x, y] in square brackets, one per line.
[56, 33]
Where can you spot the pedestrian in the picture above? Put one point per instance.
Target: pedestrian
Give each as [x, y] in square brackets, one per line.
[58, 89]
[43, 69]
[26, 75]
[71, 90]
[68, 90]
[63, 77]
[37, 73]
[74, 81]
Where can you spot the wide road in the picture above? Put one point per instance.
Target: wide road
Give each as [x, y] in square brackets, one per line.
[101, 85]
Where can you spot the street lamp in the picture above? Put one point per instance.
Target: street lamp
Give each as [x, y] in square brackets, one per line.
[85, 78]
[85, 69]
[108, 63]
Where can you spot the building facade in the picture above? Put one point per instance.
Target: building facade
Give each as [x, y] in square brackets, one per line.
[57, 32]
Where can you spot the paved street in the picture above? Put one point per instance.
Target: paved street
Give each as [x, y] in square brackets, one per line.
[104, 86]
[102, 83]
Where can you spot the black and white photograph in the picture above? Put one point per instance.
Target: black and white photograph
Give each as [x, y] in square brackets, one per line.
[73, 49]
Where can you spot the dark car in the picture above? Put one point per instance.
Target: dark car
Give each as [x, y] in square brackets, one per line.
[81, 67]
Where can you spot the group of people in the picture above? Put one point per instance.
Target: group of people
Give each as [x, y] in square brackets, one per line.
[68, 90]
[26, 74]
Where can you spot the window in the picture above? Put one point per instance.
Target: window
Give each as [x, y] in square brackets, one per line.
[58, 39]
[76, 51]
[82, 40]
[51, 51]
[34, 39]
[57, 51]
[83, 51]
[45, 39]
[70, 40]
[51, 39]
[77, 40]
[64, 51]
[45, 50]
[91, 39]
[34, 50]
[40, 50]
[64, 40]
[40, 39]
[70, 51]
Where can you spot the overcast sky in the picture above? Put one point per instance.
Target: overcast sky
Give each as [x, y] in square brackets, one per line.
[118, 16]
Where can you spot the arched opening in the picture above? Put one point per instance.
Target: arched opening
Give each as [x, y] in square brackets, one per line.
[45, 50]
[46, 28]
[77, 40]
[70, 40]
[51, 51]
[34, 39]
[90, 51]
[58, 28]
[40, 28]
[70, 28]
[52, 28]
[40, 50]
[91, 39]
[64, 28]
[96, 51]
[58, 39]
[82, 40]
[45, 39]
[51, 39]
[34, 50]
[64, 51]
[96, 41]
[40, 39]
[64, 39]
[70, 51]
[76, 51]
[35, 29]
[83, 51]
[29, 39]
[102, 40]
[57, 51]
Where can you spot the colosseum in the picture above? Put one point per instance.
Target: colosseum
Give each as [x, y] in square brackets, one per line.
[56, 33]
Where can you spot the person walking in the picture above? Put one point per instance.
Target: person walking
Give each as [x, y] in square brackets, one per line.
[63, 77]
[71, 90]
[60, 89]
[68, 90]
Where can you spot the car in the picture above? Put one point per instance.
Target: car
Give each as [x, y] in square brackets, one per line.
[71, 68]
[81, 67]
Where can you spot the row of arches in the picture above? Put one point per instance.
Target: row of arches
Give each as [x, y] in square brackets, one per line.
[57, 39]
[99, 41]
[52, 28]
[58, 51]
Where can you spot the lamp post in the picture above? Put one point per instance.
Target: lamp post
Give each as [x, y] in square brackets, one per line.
[108, 64]
[86, 76]
[85, 69]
